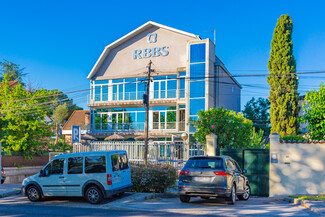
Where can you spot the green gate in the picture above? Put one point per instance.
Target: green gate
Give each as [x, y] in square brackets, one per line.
[256, 162]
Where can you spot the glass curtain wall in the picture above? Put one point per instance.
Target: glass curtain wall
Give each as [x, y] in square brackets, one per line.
[197, 81]
[164, 118]
[165, 87]
[181, 90]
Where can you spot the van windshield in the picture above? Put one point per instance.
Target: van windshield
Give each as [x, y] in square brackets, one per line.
[216, 163]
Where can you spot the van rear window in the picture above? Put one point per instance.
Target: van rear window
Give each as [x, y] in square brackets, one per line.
[95, 164]
[205, 163]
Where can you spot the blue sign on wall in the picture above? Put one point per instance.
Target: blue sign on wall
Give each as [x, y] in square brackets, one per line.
[75, 134]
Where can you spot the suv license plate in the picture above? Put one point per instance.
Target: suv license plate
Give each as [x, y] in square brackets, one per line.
[202, 179]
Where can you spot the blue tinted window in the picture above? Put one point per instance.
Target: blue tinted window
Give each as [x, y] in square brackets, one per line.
[182, 88]
[101, 82]
[171, 88]
[156, 90]
[197, 89]
[141, 88]
[197, 71]
[117, 80]
[192, 128]
[159, 78]
[105, 93]
[120, 90]
[130, 91]
[115, 92]
[196, 105]
[171, 76]
[97, 93]
[182, 73]
[197, 53]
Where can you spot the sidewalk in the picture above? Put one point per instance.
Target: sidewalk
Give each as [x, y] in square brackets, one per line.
[317, 207]
[7, 190]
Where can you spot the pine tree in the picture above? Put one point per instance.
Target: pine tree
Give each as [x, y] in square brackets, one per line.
[283, 81]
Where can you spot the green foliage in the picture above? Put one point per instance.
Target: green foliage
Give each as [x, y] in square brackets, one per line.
[293, 138]
[258, 112]
[283, 81]
[13, 71]
[233, 129]
[153, 178]
[257, 140]
[60, 146]
[23, 126]
[60, 113]
[314, 110]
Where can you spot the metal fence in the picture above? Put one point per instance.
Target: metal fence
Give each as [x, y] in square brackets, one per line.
[175, 154]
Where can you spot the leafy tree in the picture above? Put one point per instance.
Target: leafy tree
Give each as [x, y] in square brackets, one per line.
[60, 113]
[23, 119]
[314, 109]
[13, 71]
[258, 112]
[283, 81]
[256, 140]
[233, 129]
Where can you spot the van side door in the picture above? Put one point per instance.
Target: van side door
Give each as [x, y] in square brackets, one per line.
[126, 171]
[75, 177]
[117, 181]
[53, 183]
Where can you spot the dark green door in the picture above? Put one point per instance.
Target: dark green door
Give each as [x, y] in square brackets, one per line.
[256, 162]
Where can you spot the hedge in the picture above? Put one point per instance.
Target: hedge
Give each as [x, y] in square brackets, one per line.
[153, 177]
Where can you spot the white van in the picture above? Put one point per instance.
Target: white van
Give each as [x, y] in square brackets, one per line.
[93, 175]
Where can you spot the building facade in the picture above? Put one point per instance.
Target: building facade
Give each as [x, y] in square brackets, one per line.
[187, 77]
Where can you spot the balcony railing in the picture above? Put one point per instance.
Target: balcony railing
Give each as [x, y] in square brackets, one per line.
[117, 126]
[128, 96]
[136, 126]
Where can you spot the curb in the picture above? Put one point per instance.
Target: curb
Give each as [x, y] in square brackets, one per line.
[307, 204]
[9, 193]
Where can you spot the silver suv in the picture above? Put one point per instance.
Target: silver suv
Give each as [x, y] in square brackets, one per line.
[213, 177]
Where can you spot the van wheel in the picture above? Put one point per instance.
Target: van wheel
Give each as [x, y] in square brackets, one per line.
[94, 195]
[33, 193]
[184, 198]
[247, 193]
[232, 198]
[2, 181]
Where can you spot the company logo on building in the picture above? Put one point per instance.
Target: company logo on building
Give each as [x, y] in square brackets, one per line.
[150, 52]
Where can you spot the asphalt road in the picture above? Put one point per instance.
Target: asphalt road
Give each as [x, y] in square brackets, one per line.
[20, 206]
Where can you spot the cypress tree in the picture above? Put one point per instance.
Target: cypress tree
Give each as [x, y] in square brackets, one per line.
[283, 80]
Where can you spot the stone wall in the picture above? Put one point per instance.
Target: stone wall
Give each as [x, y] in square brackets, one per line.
[296, 168]
[17, 161]
[17, 175]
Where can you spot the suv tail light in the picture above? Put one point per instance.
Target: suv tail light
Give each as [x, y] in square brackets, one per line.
[181, 173]
[219, 173]
[109, 179]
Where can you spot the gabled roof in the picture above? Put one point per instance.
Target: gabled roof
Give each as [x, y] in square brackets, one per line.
[77, 118]
[126, 37]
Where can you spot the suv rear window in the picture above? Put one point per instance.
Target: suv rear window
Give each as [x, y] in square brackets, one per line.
[205, 163]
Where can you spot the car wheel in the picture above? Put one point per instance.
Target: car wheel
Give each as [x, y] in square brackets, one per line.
[232, 198]
[94, 195]
[184, 198]
[33, 193]
[247, 193]
[2, 181]
[205, 198]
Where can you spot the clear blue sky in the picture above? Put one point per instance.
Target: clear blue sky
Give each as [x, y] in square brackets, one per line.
[59, 41]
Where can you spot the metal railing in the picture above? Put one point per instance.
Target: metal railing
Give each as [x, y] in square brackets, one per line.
[128, 96]
[175, 154]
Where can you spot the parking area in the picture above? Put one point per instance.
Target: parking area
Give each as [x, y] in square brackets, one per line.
[197, 206]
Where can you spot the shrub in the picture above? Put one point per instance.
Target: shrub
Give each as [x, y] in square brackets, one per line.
[293, 138]
[153, 178]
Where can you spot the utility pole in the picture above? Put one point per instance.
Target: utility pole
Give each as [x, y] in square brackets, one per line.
[146, 102]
